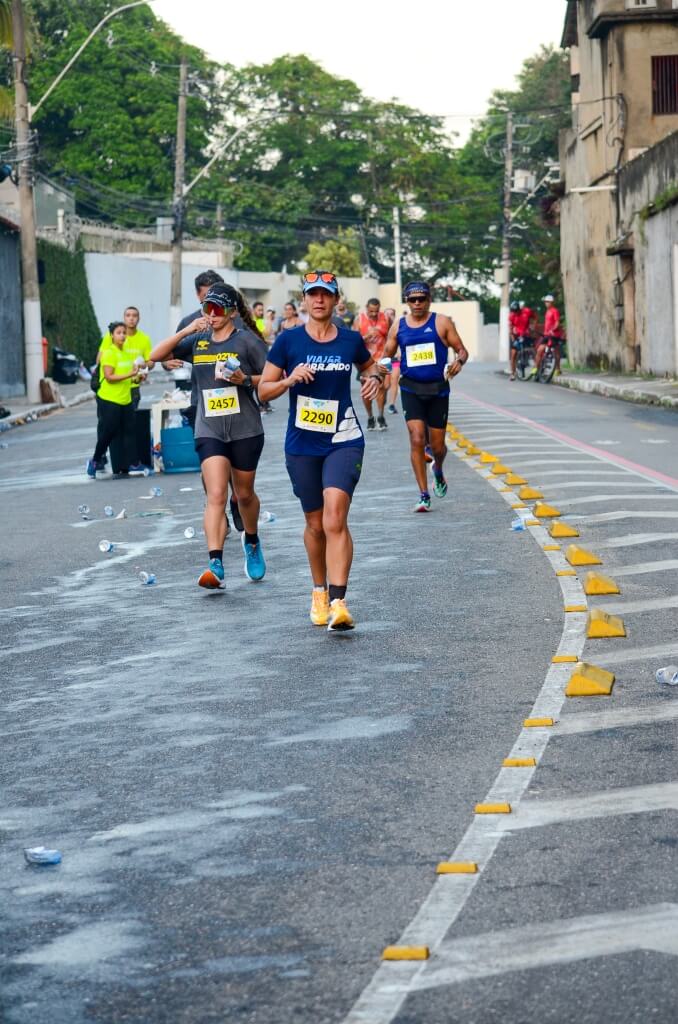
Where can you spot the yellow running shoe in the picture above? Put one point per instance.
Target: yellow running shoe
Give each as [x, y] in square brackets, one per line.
[320, 608]
[340, 617]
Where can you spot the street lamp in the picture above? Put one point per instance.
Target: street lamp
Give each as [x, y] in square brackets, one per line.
[24, 114]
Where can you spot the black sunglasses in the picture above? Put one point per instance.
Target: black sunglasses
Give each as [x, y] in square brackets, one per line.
[417, 298]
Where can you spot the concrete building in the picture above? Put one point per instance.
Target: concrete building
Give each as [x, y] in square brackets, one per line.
[11, 325]
[624, 60]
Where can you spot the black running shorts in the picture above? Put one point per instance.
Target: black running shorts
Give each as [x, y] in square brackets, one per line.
[430, 409]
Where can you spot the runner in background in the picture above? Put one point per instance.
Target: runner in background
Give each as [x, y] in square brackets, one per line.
[229, 436]
[425, 339]
[390, 314]
[343, 313]
[324, 445]
[372, 325]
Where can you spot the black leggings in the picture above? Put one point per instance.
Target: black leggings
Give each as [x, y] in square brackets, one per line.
[115, 422]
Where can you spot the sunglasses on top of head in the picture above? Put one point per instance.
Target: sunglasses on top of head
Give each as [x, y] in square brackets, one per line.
[314, 276]
[213, 309]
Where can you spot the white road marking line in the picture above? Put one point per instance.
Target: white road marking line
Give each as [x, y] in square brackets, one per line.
[640, 568]
[653, 440]
[584, 472]
[380, 1002]
[667, 650]
[603, 483]
[610, 803]
[653, 927]
[624, 718]
[613, 517]
[649, 605]
[608, 444]
[592, 498]
[630, 540]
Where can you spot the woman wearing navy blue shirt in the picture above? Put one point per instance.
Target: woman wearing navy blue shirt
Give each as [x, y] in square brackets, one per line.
[324, 444]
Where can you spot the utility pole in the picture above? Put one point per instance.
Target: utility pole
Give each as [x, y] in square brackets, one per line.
[396, 252]
[29, 250]
[506, 244]
[178, 200]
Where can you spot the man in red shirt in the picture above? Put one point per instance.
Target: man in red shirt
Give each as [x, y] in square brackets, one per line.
[521, 322]
[373, 327]
[552, 331]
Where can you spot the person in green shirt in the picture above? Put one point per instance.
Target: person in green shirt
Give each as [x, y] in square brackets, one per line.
[258, 315]
[114, 399]
[138, 344]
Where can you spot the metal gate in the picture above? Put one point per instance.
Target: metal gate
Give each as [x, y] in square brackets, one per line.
[11, 329]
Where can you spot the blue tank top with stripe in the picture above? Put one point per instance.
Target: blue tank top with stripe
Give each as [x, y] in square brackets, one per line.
[423, 356]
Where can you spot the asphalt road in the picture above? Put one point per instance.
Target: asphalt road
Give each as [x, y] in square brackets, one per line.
[250, 810]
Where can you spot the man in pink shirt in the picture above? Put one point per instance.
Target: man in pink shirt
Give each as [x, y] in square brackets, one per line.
[552, 331]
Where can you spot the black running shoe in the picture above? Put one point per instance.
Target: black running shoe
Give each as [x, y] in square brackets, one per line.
[237, 520]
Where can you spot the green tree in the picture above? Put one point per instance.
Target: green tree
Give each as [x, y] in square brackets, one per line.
[341, 255]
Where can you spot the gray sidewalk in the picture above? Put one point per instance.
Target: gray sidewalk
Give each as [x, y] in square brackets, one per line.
[628, 388]
[24, 411]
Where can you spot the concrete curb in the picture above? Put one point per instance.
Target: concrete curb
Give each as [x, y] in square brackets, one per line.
[19, 419]
[623, 392]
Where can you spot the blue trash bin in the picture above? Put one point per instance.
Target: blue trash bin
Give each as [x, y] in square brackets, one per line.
[178, 450]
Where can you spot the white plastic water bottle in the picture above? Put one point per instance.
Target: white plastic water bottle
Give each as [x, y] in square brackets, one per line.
[106, 546]
[109, 511]
[155, 492]
[518, 524]
[667, 676]
[189, 532]
[266, 517]
[147, 579]
[84, 511]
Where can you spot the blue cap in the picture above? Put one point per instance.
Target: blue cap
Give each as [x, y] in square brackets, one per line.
[320, 279]
[417, 288]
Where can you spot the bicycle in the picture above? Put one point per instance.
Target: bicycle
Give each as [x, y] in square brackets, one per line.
[549, 361]
[525, 361]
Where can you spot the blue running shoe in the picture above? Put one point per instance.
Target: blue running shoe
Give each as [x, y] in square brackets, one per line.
[91, 469]
[213, 578]
[439, 485]
[255, 566]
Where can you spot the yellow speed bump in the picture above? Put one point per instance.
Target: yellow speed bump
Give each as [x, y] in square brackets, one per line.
[565, 572]
[562, 530]
[406, 953]
[462, 442]
[488, 459]
[544, 511]
[498, 469]
[596, 584]
[529, 493]
[589, 681]
[564, 659]
[457, 867]
[551, 547]
[519, 762]
[538, 723]
[580, 556]
[519, 505]
[532, 522]
[576, 608]
[601, 625]
[514, 479]
[472, 450]
[492, 809]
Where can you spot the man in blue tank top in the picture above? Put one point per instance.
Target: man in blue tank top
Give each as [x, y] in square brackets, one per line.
[425, 339]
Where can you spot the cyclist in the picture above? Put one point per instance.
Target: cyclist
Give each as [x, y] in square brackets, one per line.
[521, 322]
[552, 332]
[229, 436]
[425, 339]
[324, 444]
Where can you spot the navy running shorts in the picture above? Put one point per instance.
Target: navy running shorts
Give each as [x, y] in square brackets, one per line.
[311, 474]
[431, 409]
[243, 454]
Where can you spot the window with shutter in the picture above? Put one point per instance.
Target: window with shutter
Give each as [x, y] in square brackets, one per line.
[665, 85]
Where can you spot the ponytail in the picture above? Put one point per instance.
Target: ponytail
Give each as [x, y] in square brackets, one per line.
[247, 318]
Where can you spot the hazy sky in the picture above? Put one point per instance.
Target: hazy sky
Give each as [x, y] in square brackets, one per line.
[446, 61]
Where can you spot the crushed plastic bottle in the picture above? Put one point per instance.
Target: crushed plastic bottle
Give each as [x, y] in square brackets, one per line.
[41, 855]
[518, 525]
[109, 511]
[189, 532]
[667, 676]
[83, 510]
[147, 579]
[122, 514]
[155, 492]
[105, 546]
[267, 517]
